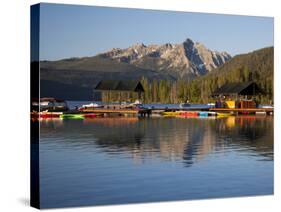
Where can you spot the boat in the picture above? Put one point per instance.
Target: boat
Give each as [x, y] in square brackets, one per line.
[135, 105]
[184, 105]
[89, 106]
[211, 104]
[189, 114]
[72, 116]
[171, 113]
[223, 114]
[203, 114]
[91, 115]
[45, 115]
[138, 104]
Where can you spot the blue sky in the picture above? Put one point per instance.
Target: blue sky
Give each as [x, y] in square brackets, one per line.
[77, 31]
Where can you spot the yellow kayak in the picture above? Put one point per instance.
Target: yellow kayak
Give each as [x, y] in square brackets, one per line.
[171, 113]
[224, 114]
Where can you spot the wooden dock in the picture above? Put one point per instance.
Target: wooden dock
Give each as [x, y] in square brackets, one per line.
[139, 112]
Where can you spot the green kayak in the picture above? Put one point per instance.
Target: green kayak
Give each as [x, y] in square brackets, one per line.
[71, 116]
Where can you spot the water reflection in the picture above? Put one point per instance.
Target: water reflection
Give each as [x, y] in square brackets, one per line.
[167, 139]
[129, 160]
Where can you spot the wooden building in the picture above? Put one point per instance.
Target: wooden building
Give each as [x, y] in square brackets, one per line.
[120, 90]
[237, 95]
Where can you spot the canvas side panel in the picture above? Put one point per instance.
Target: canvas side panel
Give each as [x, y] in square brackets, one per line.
[34, 94]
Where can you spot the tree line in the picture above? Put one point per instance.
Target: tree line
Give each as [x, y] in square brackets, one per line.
[195, 91]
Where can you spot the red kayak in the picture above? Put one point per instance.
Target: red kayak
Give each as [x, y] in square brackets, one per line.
[48, 115]
[90, 115]
[189, 114]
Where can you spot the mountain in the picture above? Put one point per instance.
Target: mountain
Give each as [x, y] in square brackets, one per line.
[184, 60]
[187, 60]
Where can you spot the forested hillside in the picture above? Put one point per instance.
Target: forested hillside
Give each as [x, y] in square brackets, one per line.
[255, 66]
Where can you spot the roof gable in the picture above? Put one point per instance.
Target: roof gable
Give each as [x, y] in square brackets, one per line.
[120, 85]
[242, 88]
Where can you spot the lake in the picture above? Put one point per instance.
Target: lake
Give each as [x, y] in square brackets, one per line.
[121, 160]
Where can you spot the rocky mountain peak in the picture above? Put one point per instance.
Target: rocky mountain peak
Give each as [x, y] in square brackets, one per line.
[180, 60]
[189, 41]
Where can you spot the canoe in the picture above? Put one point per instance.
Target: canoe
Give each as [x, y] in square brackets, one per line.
[72, 116]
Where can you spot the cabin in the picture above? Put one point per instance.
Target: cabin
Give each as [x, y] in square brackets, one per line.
[237, 95]
[120, 90]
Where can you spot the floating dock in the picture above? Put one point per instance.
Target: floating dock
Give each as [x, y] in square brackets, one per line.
[267, 111]
[158, 111]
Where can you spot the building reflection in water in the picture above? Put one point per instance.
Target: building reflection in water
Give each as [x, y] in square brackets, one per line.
[171, 139]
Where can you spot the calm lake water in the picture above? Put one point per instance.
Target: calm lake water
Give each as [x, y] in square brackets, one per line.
[129, 160]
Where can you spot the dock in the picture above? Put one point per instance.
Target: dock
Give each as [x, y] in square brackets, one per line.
[139, 112]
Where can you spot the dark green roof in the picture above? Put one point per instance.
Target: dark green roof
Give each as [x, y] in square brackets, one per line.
[241, 88]
[120, 85]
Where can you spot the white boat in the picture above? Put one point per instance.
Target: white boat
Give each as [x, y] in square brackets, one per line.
[90, 106]
[183, 105]
[211, 104]
[137, 104]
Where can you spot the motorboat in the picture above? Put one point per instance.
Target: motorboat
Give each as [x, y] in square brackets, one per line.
[89, 106]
